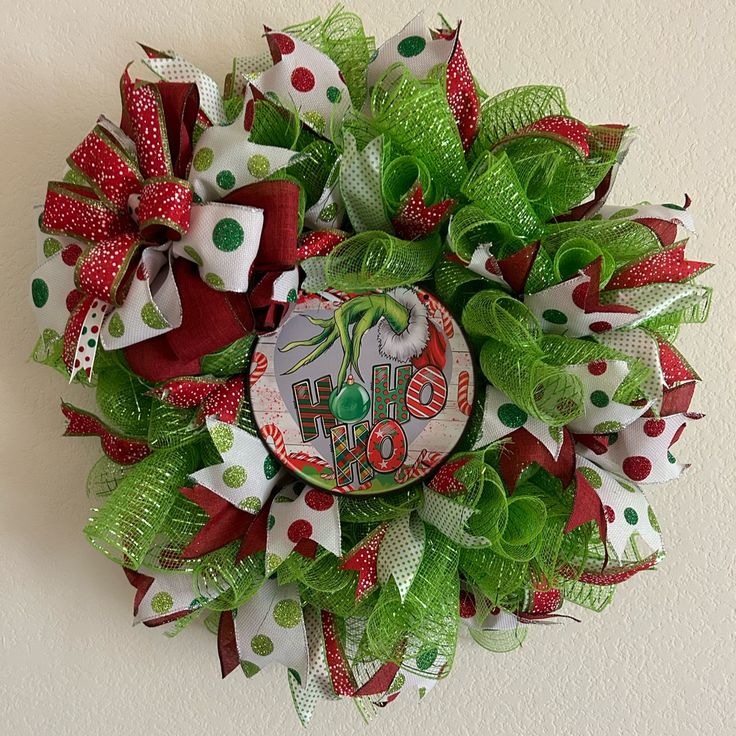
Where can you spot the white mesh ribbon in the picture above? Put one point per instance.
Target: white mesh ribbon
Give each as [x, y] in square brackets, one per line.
[501, 417]
[307, 692]
[401, 551]
[305, 79]
[360, 184]
[223, 240]
[173, 68]
[301, 513]
[247, 474]
[414, 47]
[225, 159]
[269, 628]
[450, 518]
[625, 507]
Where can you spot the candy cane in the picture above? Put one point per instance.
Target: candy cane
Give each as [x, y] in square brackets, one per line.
[424, 462]
[315, 460]
[463, 388]
[437, 308]
[272, 432]
[258, 367]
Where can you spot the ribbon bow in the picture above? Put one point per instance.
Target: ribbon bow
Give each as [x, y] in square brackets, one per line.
[125, 199]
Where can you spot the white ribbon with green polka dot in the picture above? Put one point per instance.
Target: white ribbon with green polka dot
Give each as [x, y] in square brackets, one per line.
[247, 474]
[269, 628]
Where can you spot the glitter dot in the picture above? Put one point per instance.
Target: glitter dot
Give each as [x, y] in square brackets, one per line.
[298, 530]
[115, 326]
[193, 255]
[591, 476]
[579, 295]
[223, 437]
[234, 476]
[272, 562]
[654, 427]
[261, 645]
[70, 254]
[250, 110]
[599, 399]
[291, 296]
[51, 246]
[631, 516]
[259, 166]
[73, 298]
[287, 614]
[318, 500]
[328, 212]
[608, 427]
[270, 467]
[203, 159]
[225, 179]
[271, 521]
[215, 281]
[597, 367]
[228, 235]
[285, 44]
[152, 317]
[637, 467]
[397, 684]
[554, 316]
[653, 519]
[162, 602]
[315, 120]
[626, 212]
[512, 416]
[411, 46]
[333, 94]
[39, 292]
[250, 669]
[252, 504]
[426, 658]
[302, 80]
[601, 326]
[610, 514]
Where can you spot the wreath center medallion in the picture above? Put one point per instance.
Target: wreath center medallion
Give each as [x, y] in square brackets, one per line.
[364, 393]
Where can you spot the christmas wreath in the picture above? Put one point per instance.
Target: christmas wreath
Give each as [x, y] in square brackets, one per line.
[374, 361]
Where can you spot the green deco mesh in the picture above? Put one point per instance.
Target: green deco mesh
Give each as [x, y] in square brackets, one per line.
[344, 41]
[513, 360]
[125, 528]
[372, 258]
[415, 116]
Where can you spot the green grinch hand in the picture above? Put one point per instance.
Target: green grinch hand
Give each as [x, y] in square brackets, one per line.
[363, 312]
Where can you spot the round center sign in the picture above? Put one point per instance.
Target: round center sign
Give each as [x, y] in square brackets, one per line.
[363, 393]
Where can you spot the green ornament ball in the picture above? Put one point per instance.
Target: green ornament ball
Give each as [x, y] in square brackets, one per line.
[349, 402]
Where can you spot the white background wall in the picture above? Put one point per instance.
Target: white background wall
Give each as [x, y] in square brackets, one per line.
[659, 661]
